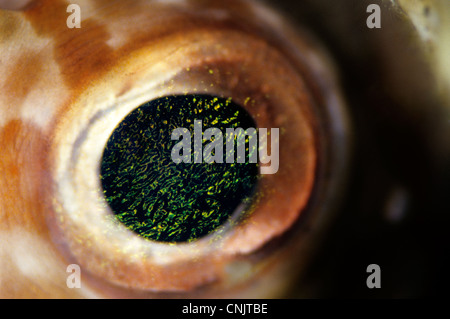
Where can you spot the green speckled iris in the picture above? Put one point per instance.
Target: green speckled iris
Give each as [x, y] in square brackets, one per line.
[164, 201]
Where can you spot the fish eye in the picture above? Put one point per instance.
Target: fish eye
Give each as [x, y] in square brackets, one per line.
[193, 148]
[143, 213]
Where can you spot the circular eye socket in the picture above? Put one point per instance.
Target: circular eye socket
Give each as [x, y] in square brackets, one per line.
[166, 197]
[139, 206]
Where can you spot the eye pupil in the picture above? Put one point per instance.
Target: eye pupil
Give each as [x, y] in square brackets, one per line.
[164, 200]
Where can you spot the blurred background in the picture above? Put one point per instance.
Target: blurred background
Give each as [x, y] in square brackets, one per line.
[396, 82]
[396, 210]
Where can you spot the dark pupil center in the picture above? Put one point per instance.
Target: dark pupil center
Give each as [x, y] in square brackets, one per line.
[165, 201]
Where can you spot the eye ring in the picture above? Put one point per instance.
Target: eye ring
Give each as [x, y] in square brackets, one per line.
[173, 68]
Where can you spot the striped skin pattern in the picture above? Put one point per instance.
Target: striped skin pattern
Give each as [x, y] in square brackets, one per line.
[41, 73]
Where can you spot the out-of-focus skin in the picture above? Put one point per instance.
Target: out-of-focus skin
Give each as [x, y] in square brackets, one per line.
[13, 4]
[38, 52]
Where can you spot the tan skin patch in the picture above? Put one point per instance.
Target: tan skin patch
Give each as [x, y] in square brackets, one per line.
[23, 170]
[81, 53]
[23, 74]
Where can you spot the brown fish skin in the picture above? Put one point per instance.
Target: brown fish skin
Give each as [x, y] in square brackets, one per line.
[50, 66]
[45, 67]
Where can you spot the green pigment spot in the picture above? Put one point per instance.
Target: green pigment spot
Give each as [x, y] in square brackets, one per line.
[164, 201]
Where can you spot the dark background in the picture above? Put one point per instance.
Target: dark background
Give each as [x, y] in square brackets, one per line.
[389, 91]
